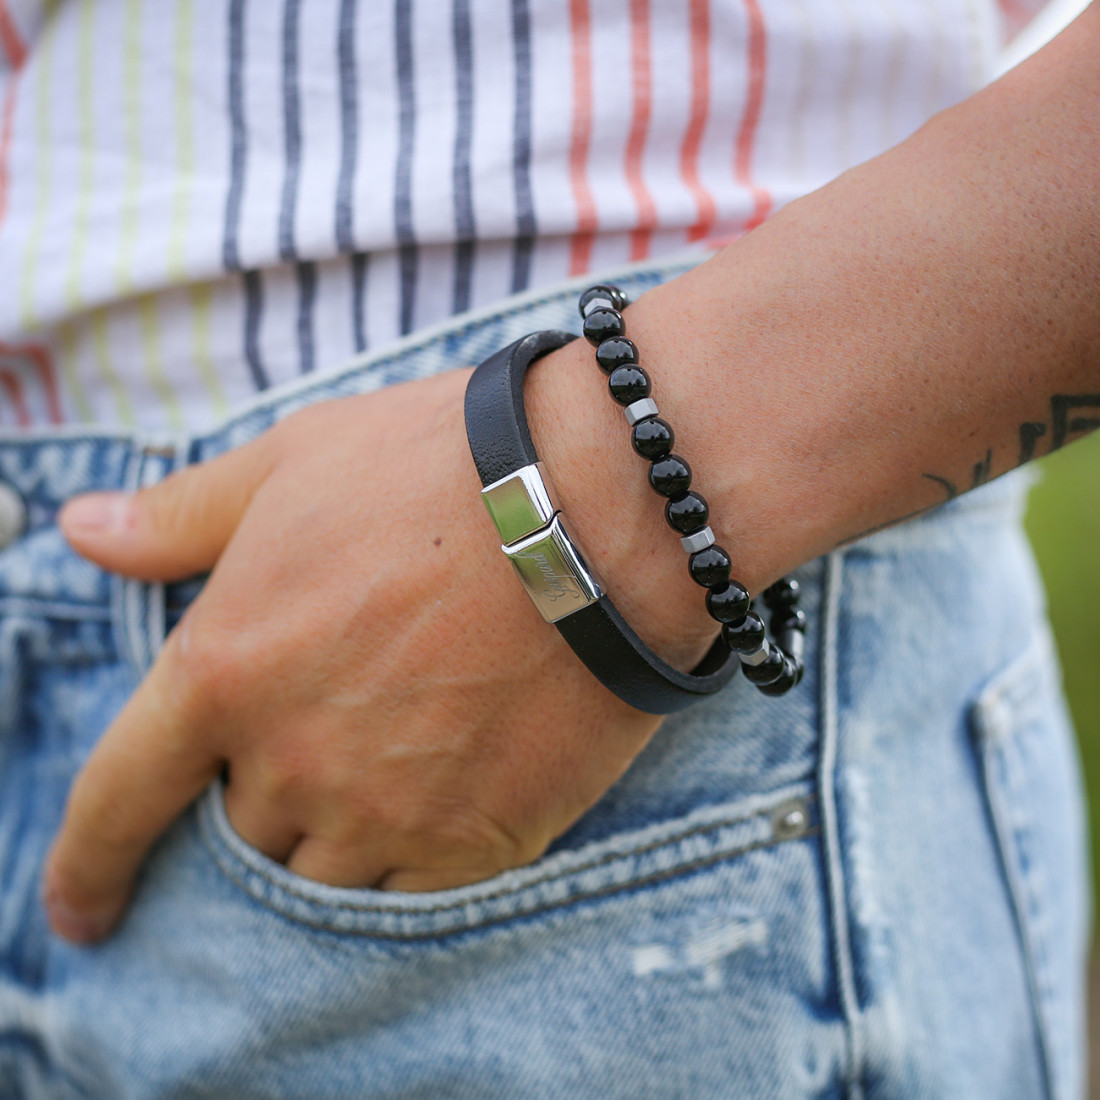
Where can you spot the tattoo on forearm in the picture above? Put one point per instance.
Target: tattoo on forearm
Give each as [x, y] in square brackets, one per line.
[1065, 425]
[1031, 431]
[1070, 415]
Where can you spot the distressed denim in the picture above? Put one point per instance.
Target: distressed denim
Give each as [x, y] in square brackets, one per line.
[872, 887]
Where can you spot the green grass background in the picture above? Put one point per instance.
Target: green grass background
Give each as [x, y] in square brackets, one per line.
[1063, 521]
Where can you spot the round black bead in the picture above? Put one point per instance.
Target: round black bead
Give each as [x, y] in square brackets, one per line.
[728, 603]
[670, 476]
[652, 438]
[784, 593]
[745, 636]
[687, 514]
[788, 618]
[628, 384]
[602, 324]
[616, 352]
[788, 678]
[710, 566]
[769, 670]
[603, 293]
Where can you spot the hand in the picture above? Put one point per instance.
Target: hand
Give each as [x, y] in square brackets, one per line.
[391, 710]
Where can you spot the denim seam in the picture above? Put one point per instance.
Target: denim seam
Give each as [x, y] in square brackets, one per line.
[29, 607]
[216, 849]
[833, 856]
[611, 889]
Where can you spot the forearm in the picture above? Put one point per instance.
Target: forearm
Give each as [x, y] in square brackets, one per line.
[921, 325]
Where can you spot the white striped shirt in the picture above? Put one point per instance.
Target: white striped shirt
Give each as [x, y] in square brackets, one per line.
[199, 200]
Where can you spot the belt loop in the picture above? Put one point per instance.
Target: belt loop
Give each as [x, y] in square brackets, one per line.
[139, 606]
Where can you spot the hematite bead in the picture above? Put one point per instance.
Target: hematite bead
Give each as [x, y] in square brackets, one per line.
[687, 514]
[652, 438]
[603, 293]
[728, 603]
[745, 636]
[602, 324]
[710, 566]
[769, 670]
[787, 679]
[788, 618]
[617, 351]
[628, 384]
[670, 476]
[793, 643]
[784, 593]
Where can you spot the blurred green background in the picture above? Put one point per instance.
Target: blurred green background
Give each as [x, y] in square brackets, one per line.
[1063, 521]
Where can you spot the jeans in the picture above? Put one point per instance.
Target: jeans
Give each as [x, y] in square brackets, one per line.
[872, 887]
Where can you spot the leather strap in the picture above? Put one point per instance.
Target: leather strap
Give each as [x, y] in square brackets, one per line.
[500, 441]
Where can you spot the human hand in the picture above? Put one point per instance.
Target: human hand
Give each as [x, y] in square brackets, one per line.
[390, 708]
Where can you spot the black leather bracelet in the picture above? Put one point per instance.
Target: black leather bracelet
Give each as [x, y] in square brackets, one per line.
[521, 503]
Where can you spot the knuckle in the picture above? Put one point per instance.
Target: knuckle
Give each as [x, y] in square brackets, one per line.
[209, 668]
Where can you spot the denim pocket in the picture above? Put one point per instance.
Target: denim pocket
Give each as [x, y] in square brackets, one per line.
[627, 862]
[1026, 755]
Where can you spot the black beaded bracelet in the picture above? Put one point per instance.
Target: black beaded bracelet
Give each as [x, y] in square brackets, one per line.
[773, 666]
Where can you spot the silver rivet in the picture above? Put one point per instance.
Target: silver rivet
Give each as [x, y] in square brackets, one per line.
[13, 515]
[791, 819]
[758, 656]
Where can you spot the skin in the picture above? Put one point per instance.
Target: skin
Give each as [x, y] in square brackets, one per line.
[392, 711]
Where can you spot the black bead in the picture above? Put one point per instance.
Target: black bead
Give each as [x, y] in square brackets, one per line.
[745, 636]
[710, 566]
[653, 438]
[602, 324]
[769, 670]
[728, 603]
[628, 384]
[792, 642]
[618, 351]
[670, 476]
[784, 593]
[788, 678]
[687, 514]
[788, 618]
[603, 293]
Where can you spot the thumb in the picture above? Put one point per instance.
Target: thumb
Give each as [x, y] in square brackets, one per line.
[171, 530]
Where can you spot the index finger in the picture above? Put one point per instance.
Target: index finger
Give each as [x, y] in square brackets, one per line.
[146, 769]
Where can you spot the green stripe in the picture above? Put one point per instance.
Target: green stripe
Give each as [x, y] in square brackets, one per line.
[202, 295]
[149, 323]
[78, 242]
[101, 350]
[185, 130]
[66, 362]
[43, 183]
[131, 111]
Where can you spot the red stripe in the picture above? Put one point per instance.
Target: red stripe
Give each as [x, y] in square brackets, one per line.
[746, 138]
[40, 357]
[580, 259]
[16, 53]
[14, 390]
[10, 38]
[697, 123]
[5, 139]
[639, 126]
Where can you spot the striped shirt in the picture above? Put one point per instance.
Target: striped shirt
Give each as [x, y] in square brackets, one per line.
[201, 200]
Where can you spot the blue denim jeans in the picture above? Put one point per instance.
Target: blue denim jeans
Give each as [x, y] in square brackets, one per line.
[872, 887]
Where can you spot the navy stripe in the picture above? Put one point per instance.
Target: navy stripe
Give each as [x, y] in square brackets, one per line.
[307, 299]
[292, 135]
[406, 137]
[521, 147]
[358, 299]
[349, 126]
[465, 229]
[292, 131]
[238, 138]
[253, 314]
